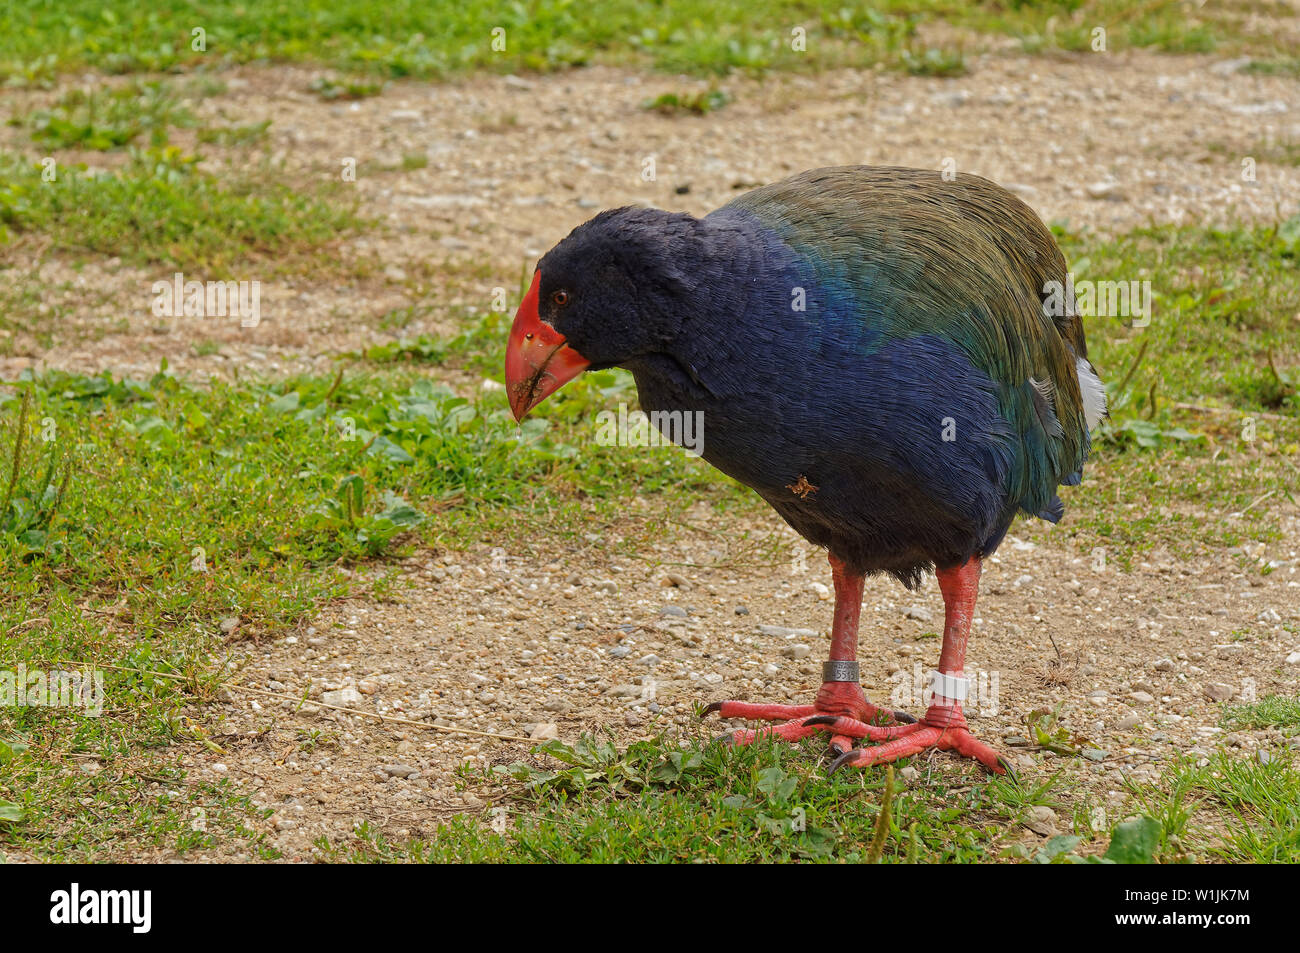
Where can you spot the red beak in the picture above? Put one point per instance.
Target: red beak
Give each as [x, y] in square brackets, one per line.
[538, 360]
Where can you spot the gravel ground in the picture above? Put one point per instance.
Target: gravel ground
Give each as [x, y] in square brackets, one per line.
[557, 643]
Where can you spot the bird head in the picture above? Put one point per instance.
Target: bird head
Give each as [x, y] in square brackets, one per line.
[607, 294]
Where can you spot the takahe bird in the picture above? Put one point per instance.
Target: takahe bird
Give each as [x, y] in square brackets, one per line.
[875, 352]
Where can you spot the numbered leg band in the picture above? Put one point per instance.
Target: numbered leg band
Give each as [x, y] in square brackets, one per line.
[837, 670]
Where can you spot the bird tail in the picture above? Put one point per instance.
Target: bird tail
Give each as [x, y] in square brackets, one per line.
[1053, 511]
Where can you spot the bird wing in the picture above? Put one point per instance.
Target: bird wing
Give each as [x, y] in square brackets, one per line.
[966, 260]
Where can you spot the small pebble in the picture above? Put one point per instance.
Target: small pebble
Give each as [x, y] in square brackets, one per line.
[344, 698]
[1041, 820]
[1219, 692]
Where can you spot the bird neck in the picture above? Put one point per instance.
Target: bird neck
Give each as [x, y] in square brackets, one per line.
[737, 272]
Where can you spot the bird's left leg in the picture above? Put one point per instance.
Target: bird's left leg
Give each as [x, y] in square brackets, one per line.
[840, 698]
[944, 725]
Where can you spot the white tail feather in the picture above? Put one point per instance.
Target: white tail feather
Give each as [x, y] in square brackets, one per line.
[1093, 391]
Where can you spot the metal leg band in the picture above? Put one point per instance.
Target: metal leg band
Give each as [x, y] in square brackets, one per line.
[837, 670]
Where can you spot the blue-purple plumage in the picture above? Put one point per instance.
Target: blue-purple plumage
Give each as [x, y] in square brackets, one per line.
[868, 347]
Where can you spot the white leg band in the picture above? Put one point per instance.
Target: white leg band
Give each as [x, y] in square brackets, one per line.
[949, 686]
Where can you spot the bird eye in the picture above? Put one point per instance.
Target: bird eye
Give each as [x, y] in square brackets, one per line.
[561, 298]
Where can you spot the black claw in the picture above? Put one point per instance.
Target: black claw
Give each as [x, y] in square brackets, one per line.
[820, 720]
[728, 739]
[904, 718]
[1008, 768]
[710, 708]
[836, 750]
[841, 760]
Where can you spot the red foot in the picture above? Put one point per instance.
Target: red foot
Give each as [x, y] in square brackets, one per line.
[943, 727]
[836, 702]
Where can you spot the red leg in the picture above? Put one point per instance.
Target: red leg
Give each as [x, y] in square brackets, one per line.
[837, 702]
[944, 725]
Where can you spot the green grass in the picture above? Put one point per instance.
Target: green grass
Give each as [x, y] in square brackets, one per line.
[1211, 402]
[102, 119]
[245, 134]
[282, 476]
[1275, 66]
[699, 802]
[934, 62]
[1285, 151]
[330, 88]
[658, 802]
[154, 510]
[432, 39]
[1276, 711]
[158, 208]
[1224, 300]
[1180, 500]
[1238, 810]
[696, 104]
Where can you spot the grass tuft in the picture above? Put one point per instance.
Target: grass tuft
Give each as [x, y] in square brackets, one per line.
[159, 208]
[436, 39]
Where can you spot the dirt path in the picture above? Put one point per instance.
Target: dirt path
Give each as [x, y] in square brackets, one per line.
[1104, 142]
[557, 643]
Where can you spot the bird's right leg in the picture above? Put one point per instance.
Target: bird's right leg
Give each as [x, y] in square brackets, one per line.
[840, 695]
